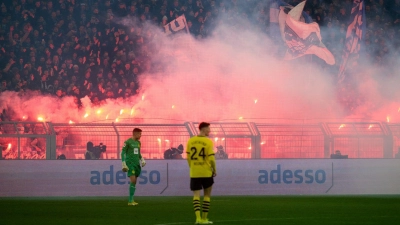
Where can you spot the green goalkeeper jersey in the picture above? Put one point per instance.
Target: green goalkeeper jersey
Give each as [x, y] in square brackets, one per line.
[131, 152]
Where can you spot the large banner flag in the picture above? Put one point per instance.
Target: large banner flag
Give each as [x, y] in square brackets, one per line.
[297, 13]
[275, 11]
[302, 38]
[355, 32]
[176, 25]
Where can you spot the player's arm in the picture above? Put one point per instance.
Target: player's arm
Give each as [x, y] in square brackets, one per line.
[188, 153]
[123, 157]
[211, 159]
[213, 164]
[142, 161]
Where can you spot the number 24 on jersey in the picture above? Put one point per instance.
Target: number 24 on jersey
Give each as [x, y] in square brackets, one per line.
[195, 153]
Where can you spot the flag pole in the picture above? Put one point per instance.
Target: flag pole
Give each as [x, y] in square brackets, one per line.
[187, 28]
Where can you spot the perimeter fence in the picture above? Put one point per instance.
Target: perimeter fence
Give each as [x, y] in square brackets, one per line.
[46, 140]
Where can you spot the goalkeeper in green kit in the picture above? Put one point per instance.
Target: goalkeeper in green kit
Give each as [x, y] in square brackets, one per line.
[131, 162]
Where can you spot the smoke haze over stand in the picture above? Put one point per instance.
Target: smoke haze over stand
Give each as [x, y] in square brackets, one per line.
[230, 75]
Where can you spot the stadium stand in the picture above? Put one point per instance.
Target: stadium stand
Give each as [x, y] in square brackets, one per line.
[76, 47]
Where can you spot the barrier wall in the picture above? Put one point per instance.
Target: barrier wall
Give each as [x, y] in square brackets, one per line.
[170, 178]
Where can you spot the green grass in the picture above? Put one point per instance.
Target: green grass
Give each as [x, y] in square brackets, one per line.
[224, 210]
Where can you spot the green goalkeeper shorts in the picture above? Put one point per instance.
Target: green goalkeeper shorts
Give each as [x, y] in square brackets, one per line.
[134, 170]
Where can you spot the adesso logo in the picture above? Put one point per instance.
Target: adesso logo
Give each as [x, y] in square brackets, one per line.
[298, 176]
[109, 177]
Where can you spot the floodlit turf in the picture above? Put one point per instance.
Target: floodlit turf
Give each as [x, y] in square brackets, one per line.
[224, 210]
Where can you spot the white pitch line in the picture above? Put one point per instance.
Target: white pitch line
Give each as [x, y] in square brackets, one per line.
[262, 219]
[174, 223]
[223, 221]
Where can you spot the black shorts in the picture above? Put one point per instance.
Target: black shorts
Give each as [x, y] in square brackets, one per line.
[198, 183]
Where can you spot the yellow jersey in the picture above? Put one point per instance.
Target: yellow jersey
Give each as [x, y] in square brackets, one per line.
[200, 157]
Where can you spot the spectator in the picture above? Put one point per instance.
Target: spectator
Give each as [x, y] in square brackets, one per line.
[221, 154]
[51, 45]
[174, 153]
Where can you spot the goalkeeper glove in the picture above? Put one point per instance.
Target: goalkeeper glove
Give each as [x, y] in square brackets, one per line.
[124, 166]
[143, 162]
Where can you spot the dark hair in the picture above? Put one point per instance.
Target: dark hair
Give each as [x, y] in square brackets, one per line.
[137, 130]
[89, 145]
[62, 156]
[203, 124]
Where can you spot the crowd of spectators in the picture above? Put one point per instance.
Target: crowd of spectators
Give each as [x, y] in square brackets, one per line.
[78, 47]
[382, 27]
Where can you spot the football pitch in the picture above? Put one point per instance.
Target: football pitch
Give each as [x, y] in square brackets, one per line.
[224, 210]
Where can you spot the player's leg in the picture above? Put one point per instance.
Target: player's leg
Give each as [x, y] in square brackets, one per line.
[132, 189]
[207, 185]
[133, 174]
[196, 205]
[195, 186]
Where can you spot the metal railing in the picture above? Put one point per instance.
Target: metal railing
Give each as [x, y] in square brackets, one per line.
[34, 140]
[72, 139]
[237, 139]
[292, 141]
[359, 140]
[26, 140]
[156, 138]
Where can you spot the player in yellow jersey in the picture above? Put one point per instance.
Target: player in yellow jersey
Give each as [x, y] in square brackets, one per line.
[201, 160]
